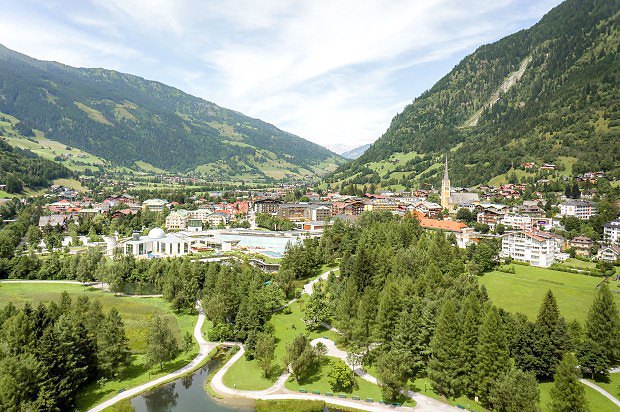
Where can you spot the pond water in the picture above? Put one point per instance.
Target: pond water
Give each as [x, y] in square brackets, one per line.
[185, 394]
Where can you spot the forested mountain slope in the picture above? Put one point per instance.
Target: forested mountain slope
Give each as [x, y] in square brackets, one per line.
[126, 119]
[547, 94]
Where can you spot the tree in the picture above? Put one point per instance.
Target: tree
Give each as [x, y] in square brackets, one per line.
[516, 391]
[392, 374]
[493, 360]
[341, 377]
[567, 393]
[316, 311]
[188, 341]
[546, 347]
[162, 344]
[113, 349]
[592, 356]
[603, 325]
[465, 215]
[469, 344]
[264, 351]
[444, 365]
[485, 255]
[301, 357]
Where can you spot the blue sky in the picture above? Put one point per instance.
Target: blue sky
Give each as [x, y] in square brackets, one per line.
[333, 72]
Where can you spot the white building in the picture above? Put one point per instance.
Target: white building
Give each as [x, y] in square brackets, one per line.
[582, 209]
[611, 232]
[534, 247]
[177, 220]
[157, 243]
[154, 205]
[609, 254]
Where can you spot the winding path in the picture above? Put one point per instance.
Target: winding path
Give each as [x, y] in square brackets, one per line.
[601, 391]
[205, 349]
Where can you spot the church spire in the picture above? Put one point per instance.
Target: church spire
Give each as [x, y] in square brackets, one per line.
[445, 173]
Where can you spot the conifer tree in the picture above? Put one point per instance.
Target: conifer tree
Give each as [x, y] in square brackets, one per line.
[493, 359]
[471, 318]
[113, 350]
[162, 344]
[444, 365]
[545, 342]
[516, 391]
[603, 324]
[567, 393]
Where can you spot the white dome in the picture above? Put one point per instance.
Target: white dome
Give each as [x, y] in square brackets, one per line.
[157, 233]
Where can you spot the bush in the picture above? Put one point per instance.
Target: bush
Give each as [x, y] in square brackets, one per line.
[222, 332]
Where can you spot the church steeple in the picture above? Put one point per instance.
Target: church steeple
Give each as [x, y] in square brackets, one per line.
[445, 188]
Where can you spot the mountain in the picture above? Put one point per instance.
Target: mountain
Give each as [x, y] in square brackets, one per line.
[548, 94]
[143, 124]
[355, 153]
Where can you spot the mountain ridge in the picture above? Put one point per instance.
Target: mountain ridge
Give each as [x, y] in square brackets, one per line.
[127, 119]
[562, 108]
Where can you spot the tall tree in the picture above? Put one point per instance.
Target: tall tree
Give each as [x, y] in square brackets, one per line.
[567, 393]
[493, 359]
[603, 324]
[444, 365]
[516, 391]
[113, 350]
[470, 319]
[546, 350]
[162, 344]
[264, 351]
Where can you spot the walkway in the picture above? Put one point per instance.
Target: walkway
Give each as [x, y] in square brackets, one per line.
[423, 402]
[205, 349]
[601, 391]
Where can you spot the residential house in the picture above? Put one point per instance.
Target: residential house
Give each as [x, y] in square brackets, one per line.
[534, 247]
[464, 235]
[609, 254]
[154, 205]
[581, 209]
[582, 245]
[611, 232]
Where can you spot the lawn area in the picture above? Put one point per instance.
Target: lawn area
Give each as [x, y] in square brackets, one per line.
[136, 313]
[524, 290]
[611, 384]
[423, 386]
[596, 401]
[247, 375]
[319, 381]
[579, 264]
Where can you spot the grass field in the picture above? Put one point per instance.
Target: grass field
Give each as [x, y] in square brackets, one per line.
[596, 401]
[423, 386]
[136, 313]
[247, 375]
[611, 384]
[319, 381]
[524, 291]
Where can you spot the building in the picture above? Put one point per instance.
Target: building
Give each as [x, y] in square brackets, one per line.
[177, 220]
[611, 232]
[490, 216]
[295, 212]
[52, 221]
[582, 245]
[463, 234]
[534, 247]
[581, 209]
[454, 199]
[609, 254]
[267, 205]
[154, 205]
[157, 243]
[317, 213]
[216, 219]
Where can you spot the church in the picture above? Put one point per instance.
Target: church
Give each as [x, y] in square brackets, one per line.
[452, 200]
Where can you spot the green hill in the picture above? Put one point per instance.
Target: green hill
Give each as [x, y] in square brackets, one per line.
[547, 94]
[143, 124]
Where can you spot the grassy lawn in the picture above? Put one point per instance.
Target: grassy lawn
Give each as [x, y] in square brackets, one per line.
[319, 381]
[247, 375]
[611, 384]
[423, 386]
[579, 264]
[136, 313]
[596, 401]
[524, 291]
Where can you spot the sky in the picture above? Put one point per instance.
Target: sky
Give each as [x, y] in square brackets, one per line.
[333, 72]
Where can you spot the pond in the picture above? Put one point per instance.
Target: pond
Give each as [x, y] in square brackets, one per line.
[186, 394]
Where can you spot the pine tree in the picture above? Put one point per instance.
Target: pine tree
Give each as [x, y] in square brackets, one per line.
[471, 319]
[545, 348]
[567, 393]
[603, 324]
[113, 350]
[516, 391]
[493, 359]
[444, 365]
[162, 345]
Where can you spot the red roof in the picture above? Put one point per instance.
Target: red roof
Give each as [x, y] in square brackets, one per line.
[449, 225]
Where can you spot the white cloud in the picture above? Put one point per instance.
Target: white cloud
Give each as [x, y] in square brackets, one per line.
[321, 69]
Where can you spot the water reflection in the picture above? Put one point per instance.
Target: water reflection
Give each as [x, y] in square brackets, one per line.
[186, 394]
